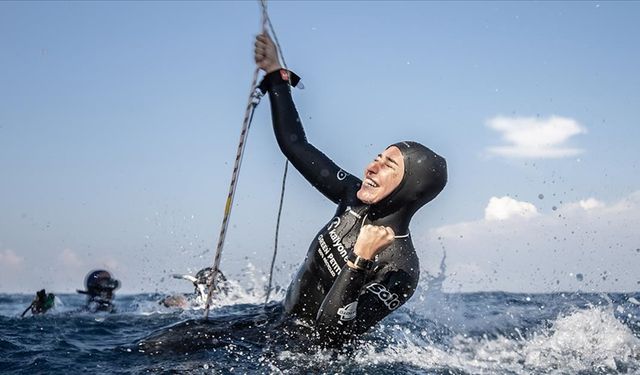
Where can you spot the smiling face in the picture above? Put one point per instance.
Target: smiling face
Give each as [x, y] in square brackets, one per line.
[382, 176]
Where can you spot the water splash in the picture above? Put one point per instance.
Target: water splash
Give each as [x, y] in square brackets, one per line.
[585, 340]
[582, 341]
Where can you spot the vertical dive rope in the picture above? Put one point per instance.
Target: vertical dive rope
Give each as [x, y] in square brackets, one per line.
[286, 164]
[275, 245]
[254, 99]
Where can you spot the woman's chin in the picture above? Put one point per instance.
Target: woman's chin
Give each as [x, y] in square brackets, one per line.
[365, 197]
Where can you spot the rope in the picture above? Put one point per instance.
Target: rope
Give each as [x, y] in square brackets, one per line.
[254, 99]
[286, 166]
[275, 246]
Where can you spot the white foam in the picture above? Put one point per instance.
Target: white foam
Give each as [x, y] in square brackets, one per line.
[251, 291]
[584, 340]
[581, 341]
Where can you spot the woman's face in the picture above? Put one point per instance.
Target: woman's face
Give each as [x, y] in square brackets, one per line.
[382, 176]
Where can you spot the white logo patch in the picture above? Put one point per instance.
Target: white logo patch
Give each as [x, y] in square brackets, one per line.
[334, 223]
[348, 312]
[341, 175]
[390, 300]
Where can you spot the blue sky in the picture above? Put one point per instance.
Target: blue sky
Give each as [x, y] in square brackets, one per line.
[119, 123]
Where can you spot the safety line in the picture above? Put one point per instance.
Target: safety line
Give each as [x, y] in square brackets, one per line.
[275, 246]
[254, 99]
[286, 166]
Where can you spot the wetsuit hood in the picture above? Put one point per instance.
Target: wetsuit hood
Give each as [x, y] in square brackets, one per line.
[425, 175]
[99, 282]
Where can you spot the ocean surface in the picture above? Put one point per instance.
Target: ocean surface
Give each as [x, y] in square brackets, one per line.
[435, 333]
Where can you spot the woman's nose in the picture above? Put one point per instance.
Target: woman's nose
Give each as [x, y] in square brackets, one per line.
[373, 167]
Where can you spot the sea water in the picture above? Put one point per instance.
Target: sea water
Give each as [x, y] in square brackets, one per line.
[435, 333]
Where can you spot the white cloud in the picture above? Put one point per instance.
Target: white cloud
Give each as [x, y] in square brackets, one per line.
[543, 253]
[69, 258]
[530, 137]
[591, 203]
[9, 258]
[505, 208]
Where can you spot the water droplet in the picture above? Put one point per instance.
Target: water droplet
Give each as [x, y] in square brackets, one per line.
[579, 277]
[540, 196]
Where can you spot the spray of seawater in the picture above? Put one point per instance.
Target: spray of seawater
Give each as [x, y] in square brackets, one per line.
[432, 334]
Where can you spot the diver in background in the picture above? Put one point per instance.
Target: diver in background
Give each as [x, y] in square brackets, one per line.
[41, 304]
[100, 287]
[199, 295]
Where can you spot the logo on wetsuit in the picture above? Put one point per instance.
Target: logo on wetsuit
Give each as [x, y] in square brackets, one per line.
[348, 312]
[391, 300]
[327, 242]
[334, 223]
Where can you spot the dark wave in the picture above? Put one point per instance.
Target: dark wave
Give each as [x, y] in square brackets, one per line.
[497, 333]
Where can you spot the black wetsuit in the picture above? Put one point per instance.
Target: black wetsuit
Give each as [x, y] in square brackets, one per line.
[98, 304]
[340, 300]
